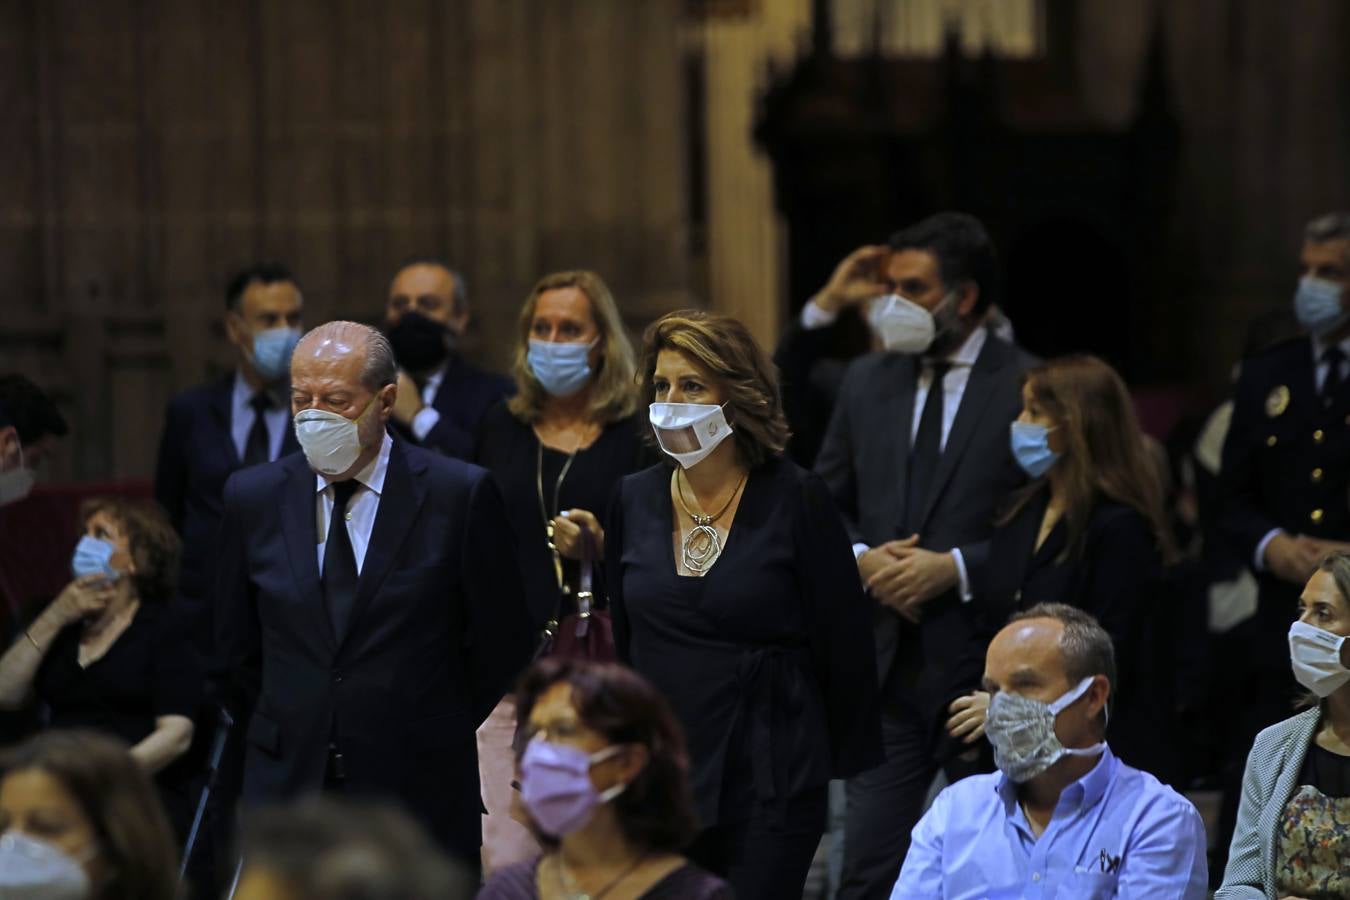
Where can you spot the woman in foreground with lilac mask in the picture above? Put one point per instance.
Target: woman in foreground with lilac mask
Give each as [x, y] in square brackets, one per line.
[1292, 839]
[603, 784]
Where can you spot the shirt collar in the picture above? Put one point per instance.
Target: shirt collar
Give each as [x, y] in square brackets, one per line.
[372, 476]
[1320, 346]
[1084, 793]
[434, 380]
[969, 351]
[242, 395]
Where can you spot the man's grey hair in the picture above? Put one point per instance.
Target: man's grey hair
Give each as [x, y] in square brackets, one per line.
[329, 849]
[1085, 645]
[380, 368]
[1330, 227]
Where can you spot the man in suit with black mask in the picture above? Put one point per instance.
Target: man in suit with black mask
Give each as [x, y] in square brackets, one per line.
[215, 429]
[917, 457]
[441, 397]
[369, 609]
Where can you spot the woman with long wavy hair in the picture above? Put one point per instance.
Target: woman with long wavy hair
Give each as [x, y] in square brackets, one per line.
[1088, 530]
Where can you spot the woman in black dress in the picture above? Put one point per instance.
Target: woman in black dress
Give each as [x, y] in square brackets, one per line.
[1090, 531]
[110, 654]
[556, 449]
[604, 782]
[734, 589]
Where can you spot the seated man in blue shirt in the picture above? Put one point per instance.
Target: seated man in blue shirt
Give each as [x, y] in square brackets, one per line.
[1062, 817]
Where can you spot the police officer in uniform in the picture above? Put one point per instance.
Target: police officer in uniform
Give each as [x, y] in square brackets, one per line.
[1285, 481]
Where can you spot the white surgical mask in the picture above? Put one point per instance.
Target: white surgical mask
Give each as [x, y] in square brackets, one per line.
[16, 483]
[1316, 656]
[906, 327]
[331, 442]
[688, 432]
[36, 870]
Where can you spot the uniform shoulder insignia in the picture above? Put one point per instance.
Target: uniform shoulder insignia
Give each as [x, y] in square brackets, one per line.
[1277, 401]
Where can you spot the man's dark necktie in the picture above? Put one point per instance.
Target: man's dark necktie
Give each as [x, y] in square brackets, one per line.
[258, 447]
[339, 561]
[1333, 357]
[927, 450]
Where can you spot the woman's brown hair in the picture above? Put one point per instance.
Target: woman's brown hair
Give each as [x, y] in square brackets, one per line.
[613, 396]
[654, 811]
[115, 794]
[724, 348]
[153, 543]
[1105, 455]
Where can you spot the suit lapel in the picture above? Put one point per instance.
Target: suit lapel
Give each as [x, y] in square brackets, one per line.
[222, 413]
[1303, 384]
[399, 504]
[968, 415]
[298, 525]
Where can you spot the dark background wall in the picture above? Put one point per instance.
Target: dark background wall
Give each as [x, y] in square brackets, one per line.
[152, 145]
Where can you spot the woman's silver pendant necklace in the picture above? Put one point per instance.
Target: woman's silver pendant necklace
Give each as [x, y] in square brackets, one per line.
[702, 545]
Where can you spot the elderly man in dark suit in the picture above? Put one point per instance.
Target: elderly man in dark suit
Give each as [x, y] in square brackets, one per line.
[441, 398]
[215, 429]
[917, 456]
[369, 611]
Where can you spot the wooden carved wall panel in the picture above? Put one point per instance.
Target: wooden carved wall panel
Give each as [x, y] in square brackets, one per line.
[158, 144]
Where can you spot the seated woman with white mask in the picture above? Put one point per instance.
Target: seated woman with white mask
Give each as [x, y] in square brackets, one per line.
[79, 820]
[734, 589]
[1291, 837]
[111, 654]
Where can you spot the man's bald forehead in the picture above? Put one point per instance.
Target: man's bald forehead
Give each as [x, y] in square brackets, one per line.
[334, 339]
[1037, 638]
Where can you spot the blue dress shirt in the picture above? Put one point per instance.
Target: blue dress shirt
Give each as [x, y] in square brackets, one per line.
[1116, 832]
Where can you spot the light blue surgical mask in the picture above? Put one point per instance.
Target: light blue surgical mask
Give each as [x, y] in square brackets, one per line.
[562, 369]
[272, 351]
[1031, 448]
[1317, 305]
[93, 556]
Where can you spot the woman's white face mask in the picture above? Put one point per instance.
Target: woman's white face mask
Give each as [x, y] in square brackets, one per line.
[688, 432]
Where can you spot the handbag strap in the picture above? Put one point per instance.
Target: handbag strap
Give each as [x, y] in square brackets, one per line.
[585, 595]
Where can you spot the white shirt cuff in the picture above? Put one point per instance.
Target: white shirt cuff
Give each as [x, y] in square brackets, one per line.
[1259, 559]
[814, 317]
[424, 421]
[962, 576]
[859, 550]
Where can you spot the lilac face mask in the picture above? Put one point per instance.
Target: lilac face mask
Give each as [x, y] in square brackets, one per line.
[555, 784]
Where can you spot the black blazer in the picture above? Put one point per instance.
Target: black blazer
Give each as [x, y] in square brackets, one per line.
[864, 459]
[196, 455]
[1118, 576]
[463, 399]
[438, 634]
[767, 659]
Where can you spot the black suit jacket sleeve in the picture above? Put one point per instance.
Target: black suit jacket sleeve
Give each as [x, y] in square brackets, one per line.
[1241, 520]
[834, 462]
[236, 669]
[841, 639]
[171, 470]
[498, 637]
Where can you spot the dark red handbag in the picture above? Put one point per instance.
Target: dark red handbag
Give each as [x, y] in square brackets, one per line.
[587, 633]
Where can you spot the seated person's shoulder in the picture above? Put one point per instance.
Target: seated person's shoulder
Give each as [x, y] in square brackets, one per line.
[515, 882]
[1168, 810]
